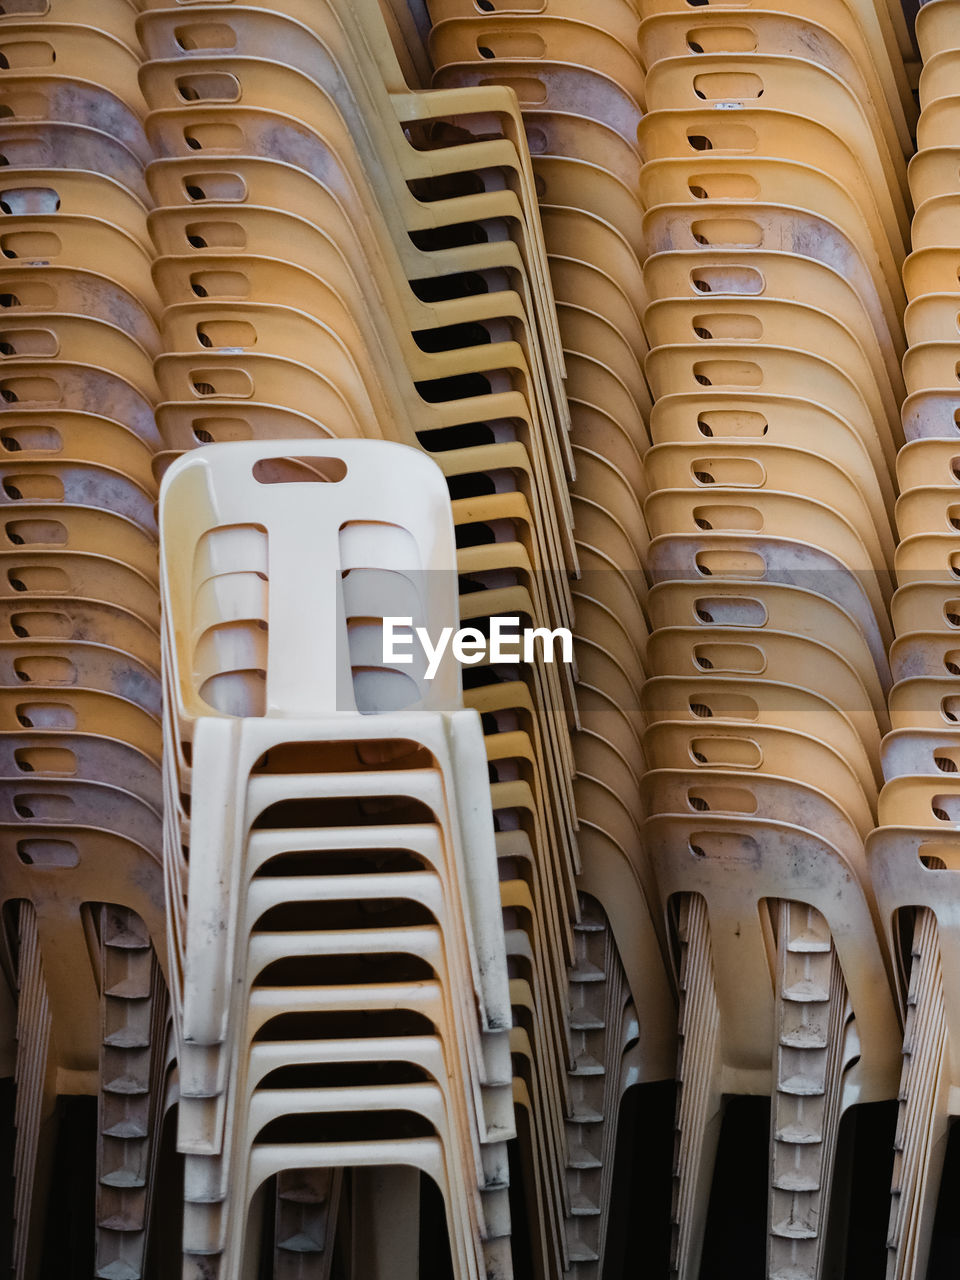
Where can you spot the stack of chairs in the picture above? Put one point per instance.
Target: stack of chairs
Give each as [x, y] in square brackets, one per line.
[579, 81]
[342, 999]
[81, 876]
[914, 855]
[340, 254]
[776, 220]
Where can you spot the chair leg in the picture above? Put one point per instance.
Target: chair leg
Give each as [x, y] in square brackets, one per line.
[307, 1201]
[134, 1016]
[923, 1120]
[36, 1100]
[812, 1014]
[699, 1093]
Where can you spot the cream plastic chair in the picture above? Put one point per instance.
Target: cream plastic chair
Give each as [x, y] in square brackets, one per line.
[749, 271]
[678, 368]
[721, 419]
[67, 146]
[254, 498]
[694, 856]
[750, 559]
[933, 172]
[750, 466]
[834, 39]
[785, 84]
[912, 870]
[672, 131]
[67, 50]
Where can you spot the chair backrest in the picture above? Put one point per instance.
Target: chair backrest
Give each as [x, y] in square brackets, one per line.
[279, 561]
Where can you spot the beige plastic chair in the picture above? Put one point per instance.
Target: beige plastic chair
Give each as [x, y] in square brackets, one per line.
[836, 42]
[283, 90]
[784, 83]
[671, 131]
[931, 414]
[932, 318]
[912, 871]
[933, 172]
[842, 282]
[676, 695]
[753, 606]
[479, 350]
[506, 37]
[721, 419]
[695, 855]
[749, 559]
[766, 370]
[65, 437]
[770, 514]
[751, 466]
[766, 320]
[925, 606]
[882, 29]
[764, 749]
[69, 145]
[543, 86]
[935, 126]
[63, 290]
[682, 791]
[58, 98]
[702, 177]
[68, 50]
[728, 227]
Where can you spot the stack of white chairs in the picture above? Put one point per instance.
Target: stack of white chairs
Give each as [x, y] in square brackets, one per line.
[342, 1000]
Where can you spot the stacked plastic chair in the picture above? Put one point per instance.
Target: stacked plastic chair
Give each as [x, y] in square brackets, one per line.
[579, 82]
[343, 1000]
[914, 854]
[776, 221]
[81, 831]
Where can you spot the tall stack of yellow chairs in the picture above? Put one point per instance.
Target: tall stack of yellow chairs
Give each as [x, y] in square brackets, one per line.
[914, 853]
[81, 876]
[361, 963]
[776, 219]
[580, 83]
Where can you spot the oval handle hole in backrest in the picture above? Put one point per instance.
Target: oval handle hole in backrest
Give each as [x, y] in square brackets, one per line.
[205, 35]
[721, 704]
[732, 423]
[730, 752]
[730, 611]
[317, 470]
[718, 39]
[717, 799]
[728, 86]
[213, 86]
